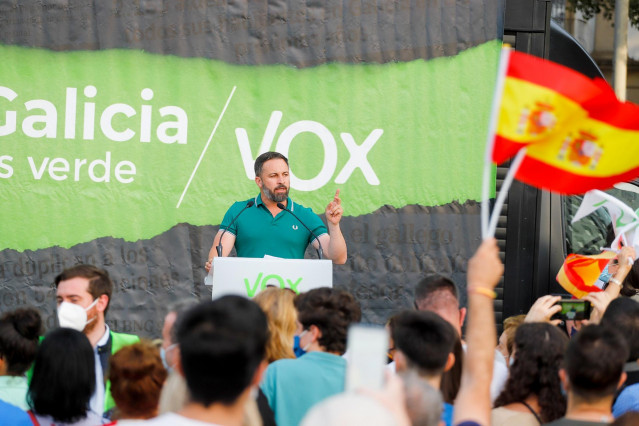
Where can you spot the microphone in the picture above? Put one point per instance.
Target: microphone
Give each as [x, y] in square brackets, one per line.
[219, 246]
[320, 252]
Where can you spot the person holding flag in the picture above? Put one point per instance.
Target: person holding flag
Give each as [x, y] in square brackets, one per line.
[568, 134]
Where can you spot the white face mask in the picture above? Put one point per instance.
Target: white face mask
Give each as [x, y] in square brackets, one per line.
[74, 316]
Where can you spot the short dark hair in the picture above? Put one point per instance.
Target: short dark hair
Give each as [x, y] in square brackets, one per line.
[451, 379]
[19, 338]
[222, 343]
[64, 365]
[622, 314]
[99, 281]
[431, 284]
[425, 339]
[594, 362]
[263, 158]
[539, 352]
[331, 310]
[137, 375]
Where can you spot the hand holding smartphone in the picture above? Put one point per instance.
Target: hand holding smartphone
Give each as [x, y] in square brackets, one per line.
[573, 309]
[367, 346]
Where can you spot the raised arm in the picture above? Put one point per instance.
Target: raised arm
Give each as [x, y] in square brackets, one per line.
[473, 400]
[334, 242]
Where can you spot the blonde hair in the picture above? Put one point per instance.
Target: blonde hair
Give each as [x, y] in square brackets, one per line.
[281, 315]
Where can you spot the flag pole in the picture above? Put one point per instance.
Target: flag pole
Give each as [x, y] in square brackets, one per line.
[490, 140]
[514, 166]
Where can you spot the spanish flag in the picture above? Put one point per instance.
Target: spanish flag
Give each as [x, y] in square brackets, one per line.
[577, 135]
[579, 272]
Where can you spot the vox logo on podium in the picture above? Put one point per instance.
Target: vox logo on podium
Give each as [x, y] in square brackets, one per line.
[262, 281]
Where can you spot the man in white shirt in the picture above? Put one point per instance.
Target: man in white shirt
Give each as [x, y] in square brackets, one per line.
[439, 294]
[222, 348]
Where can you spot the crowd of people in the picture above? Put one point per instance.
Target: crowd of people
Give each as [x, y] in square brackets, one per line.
[282, 359]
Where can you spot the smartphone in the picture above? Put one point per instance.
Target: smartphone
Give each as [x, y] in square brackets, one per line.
[573, 309]
[366, 349]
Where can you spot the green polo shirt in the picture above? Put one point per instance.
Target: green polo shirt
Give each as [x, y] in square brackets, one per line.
[258, 233]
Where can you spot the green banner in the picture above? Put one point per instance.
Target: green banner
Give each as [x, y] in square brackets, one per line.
[128, 144]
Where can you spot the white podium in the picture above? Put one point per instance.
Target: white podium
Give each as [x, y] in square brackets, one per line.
[247, 276]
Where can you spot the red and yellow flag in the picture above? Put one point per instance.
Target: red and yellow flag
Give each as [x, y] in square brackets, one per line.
[577, 135]
[579, 272]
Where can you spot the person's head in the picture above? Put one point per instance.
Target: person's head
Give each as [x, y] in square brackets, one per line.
[323, 316]
[222, 349]
[64, 366]
[168, 351]
[88, 287]
[272, 175]
[280, 312]
[424, 343]
[593, 364]
[507, 338]
[19, 333]
[439, 294]
[423, 402]
[538, 354]
[622, 314]
[137, 376]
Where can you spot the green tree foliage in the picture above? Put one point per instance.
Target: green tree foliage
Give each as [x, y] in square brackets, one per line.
[591, 8]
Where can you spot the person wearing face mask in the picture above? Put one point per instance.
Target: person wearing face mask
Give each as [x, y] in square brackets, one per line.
[293, 386]
[83, 294]
[174, 394]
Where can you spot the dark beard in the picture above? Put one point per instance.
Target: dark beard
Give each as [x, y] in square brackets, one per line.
[278, 198]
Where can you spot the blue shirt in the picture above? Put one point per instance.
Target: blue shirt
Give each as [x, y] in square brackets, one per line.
[447, 414]
[12, 415]
[293, 386]
[628, 400]
[258, 233]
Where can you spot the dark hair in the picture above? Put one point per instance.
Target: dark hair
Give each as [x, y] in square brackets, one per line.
[263, 158]
[451, 379]
[594, 362]
[63, 376]
[539, 352]
[622, 314]
[331, 311]
[222, 343]
[431, 284]
[137, 375]
[99, 280]
[425, 339]
[19, 333]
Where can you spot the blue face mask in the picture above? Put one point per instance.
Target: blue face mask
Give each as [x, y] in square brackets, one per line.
[163, 357]
[605, 275]
[297, 350]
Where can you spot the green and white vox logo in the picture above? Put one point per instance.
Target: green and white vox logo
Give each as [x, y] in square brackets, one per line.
[262, 281]
[357, 160]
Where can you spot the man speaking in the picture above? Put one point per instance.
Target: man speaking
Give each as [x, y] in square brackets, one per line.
[272, 224]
